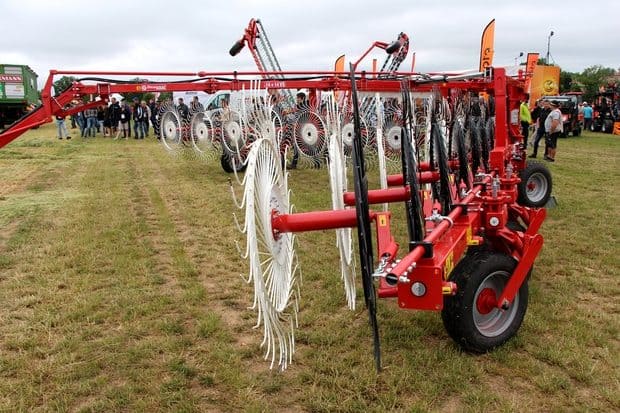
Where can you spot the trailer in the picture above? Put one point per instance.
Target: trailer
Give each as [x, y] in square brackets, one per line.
[18, 92]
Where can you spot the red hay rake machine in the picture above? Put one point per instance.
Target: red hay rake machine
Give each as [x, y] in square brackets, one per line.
[472, 211]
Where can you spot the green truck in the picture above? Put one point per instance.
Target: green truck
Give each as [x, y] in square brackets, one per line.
[18, 92]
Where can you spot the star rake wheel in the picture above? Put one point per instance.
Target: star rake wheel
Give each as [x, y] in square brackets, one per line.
[348, 130]
[464, 172]
[272, 259]
[234, 144]
[201, 137]
[171, 131]
[338, 182]
[309, 135]
[392, 140]
[413, 206]
[439, 161]
[364, 232]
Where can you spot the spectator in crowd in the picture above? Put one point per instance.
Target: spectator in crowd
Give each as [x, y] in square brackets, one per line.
[91, 121]
[588, 115]
[62, 128]
[81, 122]
[100, 118]
[124, 124]
[153, 115]
[540, 130]
[138, 114]
[553, 128]
[183, 109]
[195, 105]
[526, 118]
[115, 116]
[144, 117]
[301, 105]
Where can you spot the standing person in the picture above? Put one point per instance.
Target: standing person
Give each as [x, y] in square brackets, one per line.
[107, 122]
[540, 130]
[62, 128]
[195, 105]
[588, 114]
[526, 119]
[144, 118]
[81, 122]
[183, 109]
[300, 105]
[115, 116]
[124, 123]
[137, 121]
[152, 115]
[554, 128]
[155, 118]
[91, 122]
[100, 118]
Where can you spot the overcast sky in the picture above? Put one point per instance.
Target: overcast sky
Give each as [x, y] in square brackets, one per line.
[192, 35]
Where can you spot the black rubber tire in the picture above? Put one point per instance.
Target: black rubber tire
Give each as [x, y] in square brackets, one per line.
[577, 131]
[469, 328]
[535, 173]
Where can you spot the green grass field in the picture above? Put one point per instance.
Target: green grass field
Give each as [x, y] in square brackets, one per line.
[120, 290]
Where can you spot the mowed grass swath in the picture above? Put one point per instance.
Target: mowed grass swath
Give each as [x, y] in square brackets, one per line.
[121, 290]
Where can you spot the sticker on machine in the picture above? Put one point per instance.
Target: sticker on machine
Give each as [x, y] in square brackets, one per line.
[14, 91]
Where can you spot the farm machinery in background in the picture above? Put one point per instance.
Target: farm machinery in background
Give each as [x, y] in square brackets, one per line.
[18, 92]
[473, 205]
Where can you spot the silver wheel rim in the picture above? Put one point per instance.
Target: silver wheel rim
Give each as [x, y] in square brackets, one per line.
[536, 187]
[496, 321]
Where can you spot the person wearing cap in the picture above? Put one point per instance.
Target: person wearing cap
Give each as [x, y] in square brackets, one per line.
[541, 112]
[554, 127]
[588, 114]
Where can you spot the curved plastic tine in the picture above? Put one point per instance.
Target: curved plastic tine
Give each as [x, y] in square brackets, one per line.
[363, 223]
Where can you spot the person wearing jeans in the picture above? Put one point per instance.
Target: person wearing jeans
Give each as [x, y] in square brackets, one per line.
[62, 128]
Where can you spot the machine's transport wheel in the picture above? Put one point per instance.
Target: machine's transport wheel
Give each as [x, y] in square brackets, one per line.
[272, 258]
[471, 317]
[535, 186]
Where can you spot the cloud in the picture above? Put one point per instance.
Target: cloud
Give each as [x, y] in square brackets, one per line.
[196, 35]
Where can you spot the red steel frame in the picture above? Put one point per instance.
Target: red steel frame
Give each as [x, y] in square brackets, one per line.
[431, 261]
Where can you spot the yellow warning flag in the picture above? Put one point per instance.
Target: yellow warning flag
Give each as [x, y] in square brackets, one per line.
[486, 46]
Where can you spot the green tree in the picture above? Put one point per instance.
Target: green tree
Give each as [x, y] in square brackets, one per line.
[592, 78]
[566, 82]
[62, 84]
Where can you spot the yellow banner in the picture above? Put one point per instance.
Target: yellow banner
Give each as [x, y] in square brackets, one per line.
[486, 46]
[545, 82]
[532, 59]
